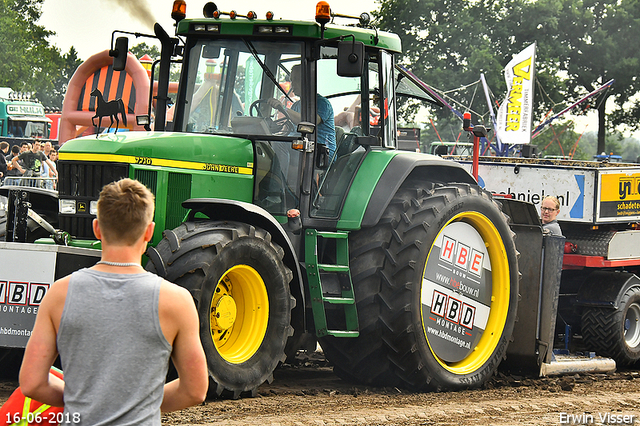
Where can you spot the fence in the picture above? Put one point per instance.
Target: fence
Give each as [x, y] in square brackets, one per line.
[32, 181]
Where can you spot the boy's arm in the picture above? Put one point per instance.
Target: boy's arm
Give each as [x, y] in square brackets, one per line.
[41, 351]
[188, 357]
[14, 162]
[52, 167]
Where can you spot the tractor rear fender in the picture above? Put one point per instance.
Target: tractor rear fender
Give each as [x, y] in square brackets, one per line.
[425, 167]
[605, 288]
[238, 211]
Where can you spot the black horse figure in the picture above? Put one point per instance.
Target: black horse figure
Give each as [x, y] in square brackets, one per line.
[108, 109]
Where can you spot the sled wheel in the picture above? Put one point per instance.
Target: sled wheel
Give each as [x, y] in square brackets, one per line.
[436, 285]
[615, 332]
[241, 288]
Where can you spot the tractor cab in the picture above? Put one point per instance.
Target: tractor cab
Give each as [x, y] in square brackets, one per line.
[312, 99]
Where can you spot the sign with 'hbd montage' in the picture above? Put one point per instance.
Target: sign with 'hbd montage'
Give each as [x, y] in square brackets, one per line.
[456, 292]
[21, 292]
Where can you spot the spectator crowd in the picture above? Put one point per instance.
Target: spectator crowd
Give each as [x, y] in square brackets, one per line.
[30, 164]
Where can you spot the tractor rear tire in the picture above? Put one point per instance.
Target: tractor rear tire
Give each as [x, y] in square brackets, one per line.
[436, 284]
[240, 285]
[615, 333]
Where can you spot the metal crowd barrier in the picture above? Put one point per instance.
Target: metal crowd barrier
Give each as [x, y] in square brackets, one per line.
[32, 181]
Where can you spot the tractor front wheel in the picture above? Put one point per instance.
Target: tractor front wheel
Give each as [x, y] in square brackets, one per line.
[241, 287]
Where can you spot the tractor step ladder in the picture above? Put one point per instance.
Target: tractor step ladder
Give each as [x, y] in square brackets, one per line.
[318, 298]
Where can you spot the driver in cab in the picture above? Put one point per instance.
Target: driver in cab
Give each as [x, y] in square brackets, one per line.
[324, 115]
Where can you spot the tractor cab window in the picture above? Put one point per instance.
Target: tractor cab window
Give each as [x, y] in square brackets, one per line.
[357, 105]
[388, 101]
[230, 83]
[245, 87]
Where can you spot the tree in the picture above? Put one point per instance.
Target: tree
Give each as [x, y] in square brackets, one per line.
[560, 139]
[20, 42]
[449, 44]
[445, 43]
[51, 90]
[581, 44]
[141, 49]
[598, 35]
[29, 63]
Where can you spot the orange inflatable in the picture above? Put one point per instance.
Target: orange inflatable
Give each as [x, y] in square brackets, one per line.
[22, 411]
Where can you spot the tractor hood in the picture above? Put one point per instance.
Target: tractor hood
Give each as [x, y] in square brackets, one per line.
[179, 150]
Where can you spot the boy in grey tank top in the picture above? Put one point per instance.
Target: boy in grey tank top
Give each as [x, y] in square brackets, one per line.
[115, 327]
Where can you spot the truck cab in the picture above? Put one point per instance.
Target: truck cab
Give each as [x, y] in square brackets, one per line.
[20, 117]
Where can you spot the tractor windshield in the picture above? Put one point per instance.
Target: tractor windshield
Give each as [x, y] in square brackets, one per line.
[231, 82]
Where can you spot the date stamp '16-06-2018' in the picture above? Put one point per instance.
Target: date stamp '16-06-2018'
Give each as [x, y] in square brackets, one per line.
[604, 418]
[53, 418]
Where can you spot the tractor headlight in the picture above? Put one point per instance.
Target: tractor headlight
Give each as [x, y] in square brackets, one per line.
[93, 207]
[67, 206]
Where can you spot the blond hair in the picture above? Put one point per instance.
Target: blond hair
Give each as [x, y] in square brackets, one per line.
[554, 199]
[125, 209]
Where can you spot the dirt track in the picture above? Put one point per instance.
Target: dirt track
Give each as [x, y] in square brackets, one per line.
[310, 394]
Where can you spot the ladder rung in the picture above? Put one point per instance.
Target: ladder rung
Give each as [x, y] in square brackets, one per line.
[333, 268]
[338, 271]
[339, 300]
[338, 235]
[341, 333]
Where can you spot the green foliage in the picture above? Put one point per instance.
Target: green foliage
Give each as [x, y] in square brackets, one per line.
[29, 63]
[141, 49]
[22, 43]
[560, 139]
[598, 36]
[449, 44]
[581, 44]
[615, 143]
[51, 90]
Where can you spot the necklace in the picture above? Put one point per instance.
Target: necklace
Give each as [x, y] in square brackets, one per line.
[104, 262]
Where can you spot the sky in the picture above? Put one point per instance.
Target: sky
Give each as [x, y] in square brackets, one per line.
[88, 24]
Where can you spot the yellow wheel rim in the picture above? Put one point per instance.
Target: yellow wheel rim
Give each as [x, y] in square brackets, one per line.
[239, 314]
[482, 350]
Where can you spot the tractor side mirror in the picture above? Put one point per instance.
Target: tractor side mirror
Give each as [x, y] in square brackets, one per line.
[350, 58]
[119, 53]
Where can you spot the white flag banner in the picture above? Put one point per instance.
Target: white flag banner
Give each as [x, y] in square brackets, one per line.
[515, 113]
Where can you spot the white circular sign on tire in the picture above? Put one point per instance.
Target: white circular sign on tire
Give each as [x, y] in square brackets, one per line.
[456, 292]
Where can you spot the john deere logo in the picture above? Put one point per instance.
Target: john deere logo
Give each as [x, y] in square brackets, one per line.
[82, 207]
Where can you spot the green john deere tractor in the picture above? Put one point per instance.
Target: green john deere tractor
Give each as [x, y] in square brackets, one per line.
[286, 210]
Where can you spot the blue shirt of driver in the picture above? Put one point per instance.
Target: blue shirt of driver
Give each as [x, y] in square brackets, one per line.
[326, 129]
